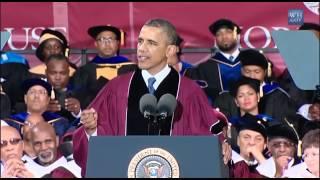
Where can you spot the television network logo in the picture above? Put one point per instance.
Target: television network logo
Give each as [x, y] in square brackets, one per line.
[295, 17]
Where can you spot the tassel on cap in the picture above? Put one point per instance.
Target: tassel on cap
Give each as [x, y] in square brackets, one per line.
[66, 52]
[53, 96]
[261, 91]
[299, 148]
[269, 71]
[122, 37]
[1, 90]
[235, 32]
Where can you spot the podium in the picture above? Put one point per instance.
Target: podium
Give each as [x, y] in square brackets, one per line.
[155, 156]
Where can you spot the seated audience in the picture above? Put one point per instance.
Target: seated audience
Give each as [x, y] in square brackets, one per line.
[13, 163]
[65, 103]
[283, 145]
[37, 96]
[51, 42]
[252, 141]
[45, 144]
[310, 167]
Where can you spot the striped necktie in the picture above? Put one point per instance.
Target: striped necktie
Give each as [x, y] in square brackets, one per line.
[151, 81]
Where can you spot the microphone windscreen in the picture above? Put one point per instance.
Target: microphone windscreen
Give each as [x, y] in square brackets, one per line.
[148, 102]
[167, 104]
[66, 148]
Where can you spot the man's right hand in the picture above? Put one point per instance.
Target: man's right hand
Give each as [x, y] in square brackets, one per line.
[283, 161]
[89, 118]
[256, 153]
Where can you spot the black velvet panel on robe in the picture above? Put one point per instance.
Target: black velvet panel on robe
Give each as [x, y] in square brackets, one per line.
[136, 123]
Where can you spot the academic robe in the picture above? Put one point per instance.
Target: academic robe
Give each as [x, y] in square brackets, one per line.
[5, 105]
[41, 69]
[117, 105]
[298, 95]
[268, 167]
[218, 72]
[298, 171]
[238, 167]
[61, 168]
[60, 124]
[91, 77]
[68, 93]
[184, 67]
[273, 98]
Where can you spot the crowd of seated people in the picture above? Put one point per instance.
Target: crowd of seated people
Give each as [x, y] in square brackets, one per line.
[270, 127]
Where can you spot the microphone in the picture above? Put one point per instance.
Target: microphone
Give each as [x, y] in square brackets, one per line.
[66, 147]
[166, 105]
[148, 105]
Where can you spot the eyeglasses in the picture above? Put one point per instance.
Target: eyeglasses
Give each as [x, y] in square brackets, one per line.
[104, 40]
[310, 155]
[13, 141]
[37, 92]
[285, 144]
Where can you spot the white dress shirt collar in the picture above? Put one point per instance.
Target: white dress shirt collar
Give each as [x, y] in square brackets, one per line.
[159, 76]
[235, 54]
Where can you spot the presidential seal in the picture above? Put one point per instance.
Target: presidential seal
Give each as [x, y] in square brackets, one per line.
[153, 163]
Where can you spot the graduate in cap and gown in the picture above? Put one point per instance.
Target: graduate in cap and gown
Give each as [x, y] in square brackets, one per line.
[244, 97]
[256, 66]
[51, 42]
[37, 94]
[216, 74]
[284, 146]
[251, 139]
[115, 110]
[66, 100]
[106, 65]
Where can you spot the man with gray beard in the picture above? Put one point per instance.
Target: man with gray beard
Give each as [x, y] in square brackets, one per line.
[223, 68]
[45, 144]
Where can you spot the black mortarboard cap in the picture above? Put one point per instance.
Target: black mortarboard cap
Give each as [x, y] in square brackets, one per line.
[95, 30]
[253, 57]
[223, 23]
[251, 122]
[310, 26]
[283, 130]
[27, 84]
[253, 83]
[50, 34]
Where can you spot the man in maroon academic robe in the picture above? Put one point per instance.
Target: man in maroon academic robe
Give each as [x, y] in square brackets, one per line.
[115, 110]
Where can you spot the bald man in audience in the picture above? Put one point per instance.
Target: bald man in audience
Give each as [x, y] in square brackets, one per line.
[45, 144]
[31, 120]
[13, 163]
